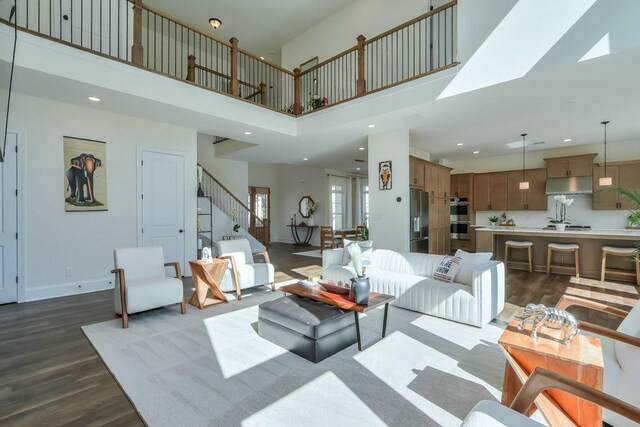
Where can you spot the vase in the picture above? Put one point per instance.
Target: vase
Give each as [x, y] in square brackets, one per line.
[561, 227]
[311, 221]
[200, 190]
[359, 292]
[494, 224]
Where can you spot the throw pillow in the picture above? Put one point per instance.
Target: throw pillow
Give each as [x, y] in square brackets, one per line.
[447, 269]
[469, 262]
[367, 250]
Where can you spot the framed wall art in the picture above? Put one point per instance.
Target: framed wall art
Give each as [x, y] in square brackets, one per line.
[385, 175]
[85, 175]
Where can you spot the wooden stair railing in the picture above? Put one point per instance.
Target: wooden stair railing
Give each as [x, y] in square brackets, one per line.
[131, 32]
[233, 207]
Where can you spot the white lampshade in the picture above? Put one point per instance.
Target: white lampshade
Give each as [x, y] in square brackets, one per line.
[605, 181]
[524, 185]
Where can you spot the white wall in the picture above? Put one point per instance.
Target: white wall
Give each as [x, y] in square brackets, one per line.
[580, 213]
[84, 241]
[389, 219]
[233, 174]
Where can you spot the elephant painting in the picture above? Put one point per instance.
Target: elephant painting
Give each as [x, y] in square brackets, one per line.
[85, 189]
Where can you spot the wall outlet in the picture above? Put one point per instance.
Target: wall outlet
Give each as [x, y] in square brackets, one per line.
[68, 272]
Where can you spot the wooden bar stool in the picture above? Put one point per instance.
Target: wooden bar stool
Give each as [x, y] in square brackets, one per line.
[518, 245]
[563, 247]
[624, 252]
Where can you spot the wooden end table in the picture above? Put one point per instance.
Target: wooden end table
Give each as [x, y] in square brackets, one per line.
[581, 360]
[207, 277]
[317, 293]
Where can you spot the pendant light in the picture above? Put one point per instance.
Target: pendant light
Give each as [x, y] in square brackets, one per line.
[524, 184]
[606, 180]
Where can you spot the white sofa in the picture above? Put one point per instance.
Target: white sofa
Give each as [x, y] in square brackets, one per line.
[476, 299]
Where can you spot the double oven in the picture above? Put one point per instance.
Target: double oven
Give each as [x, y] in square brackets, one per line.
[460, 217]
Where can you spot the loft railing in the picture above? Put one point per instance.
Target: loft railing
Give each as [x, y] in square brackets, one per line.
[233, 207]
[129, 31]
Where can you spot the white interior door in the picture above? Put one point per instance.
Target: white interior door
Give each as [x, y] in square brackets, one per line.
[163, 203]
[9, 223]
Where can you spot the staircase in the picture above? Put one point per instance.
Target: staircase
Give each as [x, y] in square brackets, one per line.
[234, 208]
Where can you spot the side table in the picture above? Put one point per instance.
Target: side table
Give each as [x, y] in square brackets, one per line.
[206, 278]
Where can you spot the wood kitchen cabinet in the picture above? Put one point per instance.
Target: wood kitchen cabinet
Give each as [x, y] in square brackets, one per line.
[562, 167]
[439, 226]
[462, 185]
[625, 175]
[532, 199]
[481, 192]
[490, 191]
[416, 172]
[444, 182]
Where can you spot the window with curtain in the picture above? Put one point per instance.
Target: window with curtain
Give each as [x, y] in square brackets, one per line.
[337, 206]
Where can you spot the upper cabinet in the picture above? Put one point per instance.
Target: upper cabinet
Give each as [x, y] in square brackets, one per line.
[562, 167]
[416, 172]
[490, 191]
[430, 177]
[625, 176]
[462, 185]
[527, 200]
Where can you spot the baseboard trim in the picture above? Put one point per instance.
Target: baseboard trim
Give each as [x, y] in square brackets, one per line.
[67, 289]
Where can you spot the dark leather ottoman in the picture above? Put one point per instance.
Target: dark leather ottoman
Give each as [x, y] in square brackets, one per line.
[310, 329]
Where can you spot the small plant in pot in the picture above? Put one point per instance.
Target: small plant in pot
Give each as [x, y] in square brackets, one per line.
[560, 220]
[634, 197]
[494, 220]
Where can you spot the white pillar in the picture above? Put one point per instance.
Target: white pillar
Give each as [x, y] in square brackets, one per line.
[389, 209]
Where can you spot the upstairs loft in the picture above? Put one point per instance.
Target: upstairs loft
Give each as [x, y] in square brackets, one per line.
[129, 32]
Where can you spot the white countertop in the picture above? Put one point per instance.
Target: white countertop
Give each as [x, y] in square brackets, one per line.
[593, 232]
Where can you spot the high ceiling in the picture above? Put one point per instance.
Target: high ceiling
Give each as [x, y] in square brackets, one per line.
[262, 27]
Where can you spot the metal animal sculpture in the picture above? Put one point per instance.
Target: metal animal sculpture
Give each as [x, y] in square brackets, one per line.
[539, 316]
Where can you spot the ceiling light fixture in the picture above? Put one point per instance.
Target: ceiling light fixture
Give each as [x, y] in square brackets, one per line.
[94, 99]
[305, 159]
[476, 152]
[567, 140]
[605, 181]
[247, 133]
[361, 148]
[524, 184]
[372, 126]
[357, 169]
[460, 144]
[215, 23]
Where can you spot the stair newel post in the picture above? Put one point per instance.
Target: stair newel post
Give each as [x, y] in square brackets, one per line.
[263, 93]
[137, 51]
[361, 83]
[191, 68]
[235, 86]
[297, 105]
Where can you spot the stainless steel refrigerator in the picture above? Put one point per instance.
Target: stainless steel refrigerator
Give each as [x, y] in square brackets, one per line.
[419, 221]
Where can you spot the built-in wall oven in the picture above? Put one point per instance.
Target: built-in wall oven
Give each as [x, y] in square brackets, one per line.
[460, 210]
[461, 230]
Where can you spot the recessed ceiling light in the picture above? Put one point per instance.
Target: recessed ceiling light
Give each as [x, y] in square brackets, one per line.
[215, 23]
[460, 144]
[475, 152]
[372, 126]
[247, 133]
[361, 148]
[94, 99]
[357, 169]
[305, 159]
[567, 140]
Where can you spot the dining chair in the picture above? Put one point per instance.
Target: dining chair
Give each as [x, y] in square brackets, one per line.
[327, 238]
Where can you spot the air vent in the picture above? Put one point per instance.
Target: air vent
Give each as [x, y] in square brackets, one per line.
[359, 161]
[539, 143]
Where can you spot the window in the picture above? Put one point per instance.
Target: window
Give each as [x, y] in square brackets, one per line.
[365, 205]
[337, 206]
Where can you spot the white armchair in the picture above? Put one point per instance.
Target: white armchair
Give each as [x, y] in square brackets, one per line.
[243, 271]
[141, 283]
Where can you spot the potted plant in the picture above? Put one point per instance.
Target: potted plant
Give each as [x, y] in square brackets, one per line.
[312, 207]
[634, 197]
[560, 220]
[494, 220]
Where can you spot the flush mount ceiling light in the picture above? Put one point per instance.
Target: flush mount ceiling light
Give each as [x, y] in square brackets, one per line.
[476, 152]
[215, 23]
[305, 159]
[524, 184]
[94, 99]
[460, 144]
[358, 169]
[605, 181]
[567, 140]
[247, 133]
[361, 148]
[371, 126]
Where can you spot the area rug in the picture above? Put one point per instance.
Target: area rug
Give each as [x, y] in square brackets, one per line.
[210, 368]
[313, 254]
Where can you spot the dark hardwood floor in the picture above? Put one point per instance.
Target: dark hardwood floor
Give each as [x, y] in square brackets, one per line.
[51, 375]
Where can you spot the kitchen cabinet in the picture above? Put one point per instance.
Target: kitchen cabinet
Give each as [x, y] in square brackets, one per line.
[527, 200]
[416, 172]
[439, 226]
[490, 191]
[482, 192]
[625, 176]
[462, 185]
[444, 182]
[562, 167]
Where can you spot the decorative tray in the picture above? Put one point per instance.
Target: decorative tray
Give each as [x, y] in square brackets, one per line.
[336, 288]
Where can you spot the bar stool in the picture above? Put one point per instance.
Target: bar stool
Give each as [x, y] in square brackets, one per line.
[518, 245]
[563, 247]
[614, 251]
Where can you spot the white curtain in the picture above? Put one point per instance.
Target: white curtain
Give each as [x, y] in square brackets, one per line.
[348, 205]
[358, 214]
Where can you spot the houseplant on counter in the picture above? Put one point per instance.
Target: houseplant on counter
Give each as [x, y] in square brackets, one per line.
[561, 221]
[494, 220]
[634, 197]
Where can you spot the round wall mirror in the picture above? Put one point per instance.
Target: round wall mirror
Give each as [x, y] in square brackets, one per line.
[302, 206]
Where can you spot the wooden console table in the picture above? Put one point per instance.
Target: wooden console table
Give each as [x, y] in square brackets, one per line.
[207, 277]
[581, 360]
[296, 237]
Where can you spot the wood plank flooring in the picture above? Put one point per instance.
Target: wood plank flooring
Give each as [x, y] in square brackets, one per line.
[51, 375]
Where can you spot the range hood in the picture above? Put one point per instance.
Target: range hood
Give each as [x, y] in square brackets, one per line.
[569, 185]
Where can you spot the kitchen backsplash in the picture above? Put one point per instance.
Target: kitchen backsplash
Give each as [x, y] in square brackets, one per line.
[580, 213]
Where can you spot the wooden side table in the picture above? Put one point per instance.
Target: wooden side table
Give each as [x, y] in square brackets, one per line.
[207, 276]
[581, 360]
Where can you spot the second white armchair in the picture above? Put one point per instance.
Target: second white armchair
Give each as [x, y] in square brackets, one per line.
[244, 272]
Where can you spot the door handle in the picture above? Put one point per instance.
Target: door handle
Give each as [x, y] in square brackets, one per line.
[181, 231]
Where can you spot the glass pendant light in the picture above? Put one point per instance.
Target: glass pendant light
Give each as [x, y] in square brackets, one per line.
[605, 181]
[524, 184]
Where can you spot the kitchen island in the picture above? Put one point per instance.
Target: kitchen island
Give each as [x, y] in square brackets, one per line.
[492, 239]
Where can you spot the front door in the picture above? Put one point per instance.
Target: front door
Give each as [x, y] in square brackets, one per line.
[163, 203]
[9, 223]
[260, 205]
